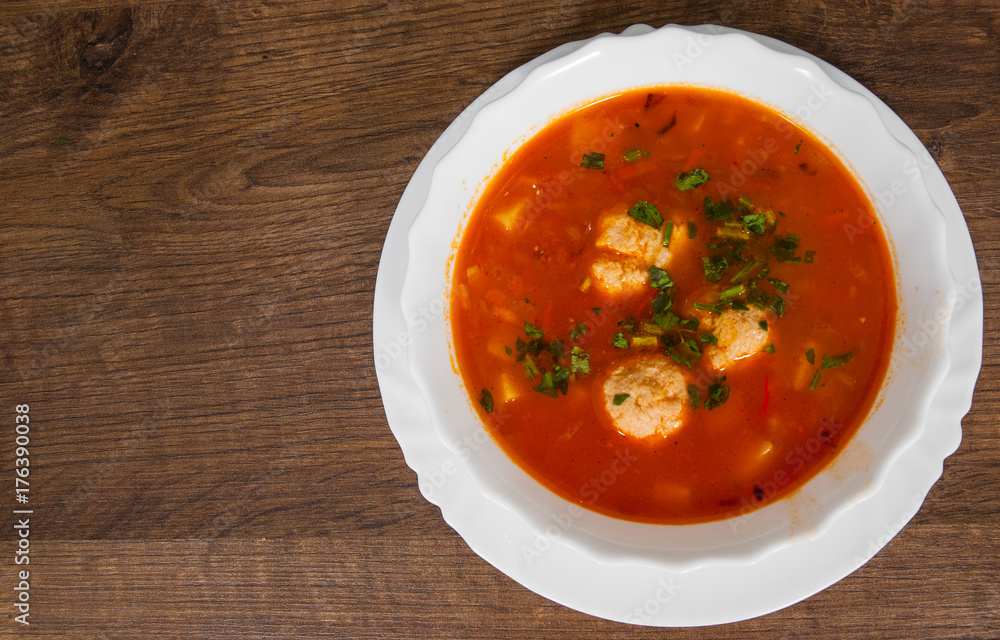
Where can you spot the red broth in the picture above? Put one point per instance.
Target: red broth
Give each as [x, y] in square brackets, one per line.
[524, 268]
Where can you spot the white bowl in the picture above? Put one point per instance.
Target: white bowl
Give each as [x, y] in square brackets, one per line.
[713, 572]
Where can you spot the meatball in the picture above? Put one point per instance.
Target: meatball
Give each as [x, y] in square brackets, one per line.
[656, 391]
[632, 247]
[739, 334]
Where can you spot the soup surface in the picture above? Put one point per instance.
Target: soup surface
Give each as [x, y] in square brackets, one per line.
[672, 305]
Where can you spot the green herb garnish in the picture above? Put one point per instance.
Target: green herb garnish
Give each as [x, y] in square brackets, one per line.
[797, 147]
[531, 330]
[692, 230]
[647, 213]
[694, 396]
[718, 393]
[779, 285]
[592, 161]
[619, 341]
[811, 356]
[634, 155]
[815, 381]
[763, 325]
[662, 301]
[659, 278]
[577, 331]
[691, 179]
[830, 362]
[755, 223]
[619, 399]
[486, 400]
[668, 231]
[714, 266]
[709, 338]
[579, 362]
[717, 211]
[808, 259]
[769, 349]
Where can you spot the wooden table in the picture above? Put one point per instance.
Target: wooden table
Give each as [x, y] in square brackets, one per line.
[193, 198]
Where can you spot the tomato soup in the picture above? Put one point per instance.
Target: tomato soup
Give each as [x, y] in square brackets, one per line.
[672, 305]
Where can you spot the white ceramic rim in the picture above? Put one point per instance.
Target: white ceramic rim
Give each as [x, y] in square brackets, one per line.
[616, 570]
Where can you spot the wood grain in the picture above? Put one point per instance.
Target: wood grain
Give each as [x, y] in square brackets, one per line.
[193, 199]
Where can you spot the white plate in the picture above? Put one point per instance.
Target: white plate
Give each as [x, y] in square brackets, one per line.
[696, 574]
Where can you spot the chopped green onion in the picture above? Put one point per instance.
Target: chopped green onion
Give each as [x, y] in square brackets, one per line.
[530, 368]
[745, 272]
[779, 285]
[744, 204]
[732, 292]
[815, 381]
[668, 231]
[634, 155]
[592, 161]
[579, 361]
[645, 341]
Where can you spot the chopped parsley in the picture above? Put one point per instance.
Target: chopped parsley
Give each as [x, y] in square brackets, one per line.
[691, 179]
[619, 341]
[619, 399]
[755, 223]
[797, 147]
[662, 302]
[531, 330]
[659, 278]
[714, 267]
[717, 211]
[785, 247]
[692, 231]
[718, 393]
[646, 213]
[811, 356]
[763, 325]
[769, 349]
[808, 258]
[486, 400]
[830, 362]
[592, 160]
[577, 331]
[694, 396]
[709, 338]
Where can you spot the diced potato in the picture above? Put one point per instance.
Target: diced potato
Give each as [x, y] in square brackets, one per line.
[510, 217]
[509, 389]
